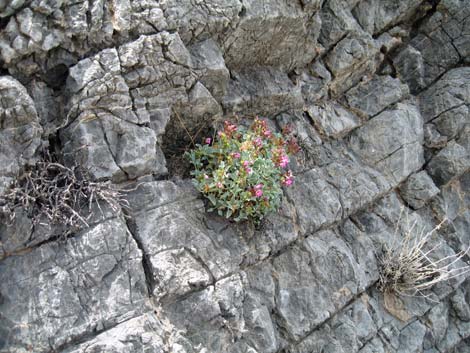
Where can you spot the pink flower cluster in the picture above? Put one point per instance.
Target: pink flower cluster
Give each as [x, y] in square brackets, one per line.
[257, 190]
[287, 179]
[258, 142]
[284, 161]
[246, 165]
[280, 159]
[261, 128]
[229, 128]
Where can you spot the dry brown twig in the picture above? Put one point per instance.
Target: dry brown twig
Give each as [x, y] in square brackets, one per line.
[408, 267]
[52, 192]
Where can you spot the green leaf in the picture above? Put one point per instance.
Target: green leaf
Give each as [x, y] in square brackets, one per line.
[212, 199]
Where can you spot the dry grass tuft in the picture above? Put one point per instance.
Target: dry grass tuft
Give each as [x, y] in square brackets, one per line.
[410, 267]
[52, 193]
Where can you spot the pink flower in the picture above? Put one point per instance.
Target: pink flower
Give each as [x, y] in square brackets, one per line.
[258, 142]
[246, 165]
[287, 182]
[206, 176]
[287, 179]
[219, 185]
[284, 161]
[229, 128]
[257, 190]
[236, 155]
[267, 133]
[208, 140]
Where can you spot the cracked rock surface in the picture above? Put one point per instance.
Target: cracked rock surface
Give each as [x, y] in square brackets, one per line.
[377, 93]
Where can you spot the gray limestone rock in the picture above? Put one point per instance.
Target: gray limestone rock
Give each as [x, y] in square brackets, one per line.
[201, 107]
[7, 8]
[212, 319]
[349, 54]
[332, 120]
[203, 19]
[346, 332]
[272, 33]
[364, 250]
[411, 338]
[449, 163]
[308, 293]
[158, 71]
[353, 58]
[314, 211]
[451, 122]
[138, 92]
[104, 126]
[337, 22]
[144, 332]
[437, 319]
[61, 33]
[447, 95]
[432, 137]
[325, 196]
[60, 292]
[177, 272]
[441, 43]
[302, 302]
[261, 92]
[392, 142]
[418, 189]
[208, 58]
[373, 346]
[314, 83]
[372, 97]
[409, 63]
[117, 87]
[452, 199]
[280, 229]
[20, 131]
[259, 303]
[176, 240]
[375, 15]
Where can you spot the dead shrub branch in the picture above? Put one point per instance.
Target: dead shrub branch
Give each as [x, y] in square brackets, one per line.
[55, 194]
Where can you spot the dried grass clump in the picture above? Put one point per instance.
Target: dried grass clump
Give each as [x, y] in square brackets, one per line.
[409, 267]
[52, 193]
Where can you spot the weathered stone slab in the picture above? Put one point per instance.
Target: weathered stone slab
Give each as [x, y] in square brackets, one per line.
[60, 292]
[272, 33]
[20, 132]
[374, 96]
[262, 92]
[418, 189]
[392, 142]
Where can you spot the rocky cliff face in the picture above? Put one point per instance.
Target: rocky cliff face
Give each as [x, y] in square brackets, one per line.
[378, 92]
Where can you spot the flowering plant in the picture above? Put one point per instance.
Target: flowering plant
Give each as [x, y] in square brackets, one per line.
[241, 170]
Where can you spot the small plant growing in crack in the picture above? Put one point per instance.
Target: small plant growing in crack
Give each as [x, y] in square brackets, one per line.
[241, 171]
[412, 265]
[52, 193]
